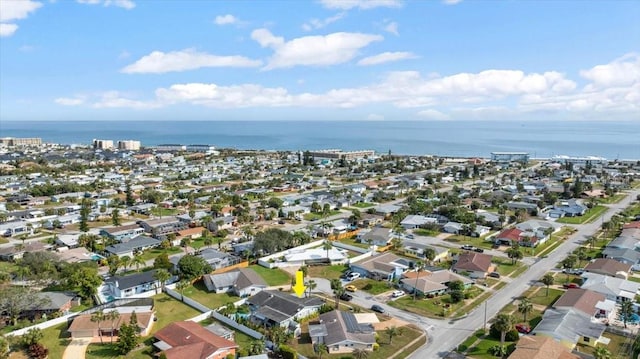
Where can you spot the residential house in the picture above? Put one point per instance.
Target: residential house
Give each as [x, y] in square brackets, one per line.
[570, 327]
[378, 236]
[187, 339]
[415, 248]
[122, 233]
[217, 259]
[589, 302]
[276, 308]
[431, 283]
[540, 347]
[48, 303]
[386, 266]
[84, 327]
[75, 255]
[342, 333]
[622, 255]
[387, 209]
[243, 282]
[529, 207]
[416, 221]
[220, 223]
[478, 265]
[132, 284]
[610, 267]
[161, 227]
[616, 289]
[16, 252]
[571, 208]
[68, 240]
[453, 227]
[133, 246]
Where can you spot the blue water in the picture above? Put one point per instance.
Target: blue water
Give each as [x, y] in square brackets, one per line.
[635, 318]
[610, 139]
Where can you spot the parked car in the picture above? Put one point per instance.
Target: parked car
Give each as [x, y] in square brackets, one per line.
[523, 328]
[479, 250]
[377, 308]
[468, 247]
[494, 275]
[397, 293]
[353, 276]
[346, 297]
[570, 285]
[351, 288]
[573, 271]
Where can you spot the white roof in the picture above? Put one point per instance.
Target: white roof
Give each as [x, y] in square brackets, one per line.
[314, 254]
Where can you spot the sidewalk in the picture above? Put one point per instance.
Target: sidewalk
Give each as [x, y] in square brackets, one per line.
[76, 349]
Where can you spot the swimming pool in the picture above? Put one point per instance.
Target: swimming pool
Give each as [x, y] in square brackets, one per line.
[96, 257]
[635, 318]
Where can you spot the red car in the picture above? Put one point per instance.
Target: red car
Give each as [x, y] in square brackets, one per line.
[523, 328]
[570, 285]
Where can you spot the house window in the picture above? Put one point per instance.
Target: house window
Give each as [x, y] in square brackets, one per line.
[586, 339]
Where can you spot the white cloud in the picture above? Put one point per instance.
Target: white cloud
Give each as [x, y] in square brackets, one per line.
[620, 72]
[246, 95]
[431, 114]
[391, 28]
[227, 19]
[114, 99]
[375, 117]
[7, 29]
[325, 50]
[315, 24]
[360, 4]
[125, 4]
[386, 57]
[124, 55]
[451, 2]
[15, 10]
[69, 101]
[159, 62]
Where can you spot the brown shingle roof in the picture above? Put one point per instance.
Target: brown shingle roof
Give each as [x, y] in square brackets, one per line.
[581, 299]
[472, 261]
[607, 266]
[540, 347]
[83, 321]
[191, 340]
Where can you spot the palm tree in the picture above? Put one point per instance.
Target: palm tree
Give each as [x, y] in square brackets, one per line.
[504, 323]
[311, 285]
[321, 349]
[125, 262]
[514, 253]
[360, 353]
[208, 241]
[525, 307]
[162, 276]
[581, 253]
[181, 286]
[626, 312]
[257, 346]
[327, 246]
[547, 280]
[418, 267]
[602, 353]
[138, 261]
[392, 331]
[98, 317]
[112, 316]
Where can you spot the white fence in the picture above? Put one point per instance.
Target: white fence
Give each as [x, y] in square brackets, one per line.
[350, 247]
[361, 257]
[233, 324]
[44, 325]
[186, 300]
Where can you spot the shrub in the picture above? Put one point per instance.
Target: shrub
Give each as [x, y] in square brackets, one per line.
[498, 350]
[376, 347]
[38, 351]
[456, 296]
[511, 336]
[287, 352]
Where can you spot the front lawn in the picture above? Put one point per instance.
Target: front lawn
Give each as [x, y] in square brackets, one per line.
[371, 286]
[425, 232]
[590, 216]
[319, 216]
[481, 349]
[153, 253]
[273, 276]
[56, 340]
[198, 292]
[540, 297]
[437, 307]
[363, 205]
[505, 267]
[327, 272]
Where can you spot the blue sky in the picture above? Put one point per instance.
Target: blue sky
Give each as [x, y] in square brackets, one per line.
[319, 60]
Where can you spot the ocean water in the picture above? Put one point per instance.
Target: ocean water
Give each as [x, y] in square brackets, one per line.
[613, 140]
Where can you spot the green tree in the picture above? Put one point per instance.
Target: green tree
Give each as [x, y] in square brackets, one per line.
[162, 261]
[138, 261]
[626, 312]
[162, 276]
[181, 286]
[392, 331]
[503, 324]
[327, 247]
[602, 353]
[127, 338]
[360, 353]
[115, 217]
[4, 348]
[192, 267]
[418, 266]
[112, 317]
[85, 210]
[514, 253]
[581, 254]
[321, 349]
[525, 307]
[32, 336]
[98, 317]
[129, 200]
[547, 280]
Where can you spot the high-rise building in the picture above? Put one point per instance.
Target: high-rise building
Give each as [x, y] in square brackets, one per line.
[129, 145]
[102, 144]
[11, 141]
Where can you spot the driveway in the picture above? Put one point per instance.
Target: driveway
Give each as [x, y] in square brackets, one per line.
[76, 349]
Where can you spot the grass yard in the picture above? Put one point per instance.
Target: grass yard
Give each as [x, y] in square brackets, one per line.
[56, 340]
[159, 211]
[153, 253]
[481, 349]
[442, 306]
[504, 267]
[371, 286]
[198, 292]
[474, 241]
[591, 215]
[619, 346]
[612, 199]
[363, 205]
[352, 242]
[108, 351]
[540, 297]
[169, 310]
[3, 240]
[425, 232]
[327, 272]
[467, 343]
[273, 276]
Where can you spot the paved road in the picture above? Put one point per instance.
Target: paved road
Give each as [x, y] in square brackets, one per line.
[445, 335]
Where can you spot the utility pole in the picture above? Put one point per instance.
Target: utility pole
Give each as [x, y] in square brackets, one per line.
[484, 327]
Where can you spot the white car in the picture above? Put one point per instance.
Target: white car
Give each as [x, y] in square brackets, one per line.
[397, 293]
[353, 276]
